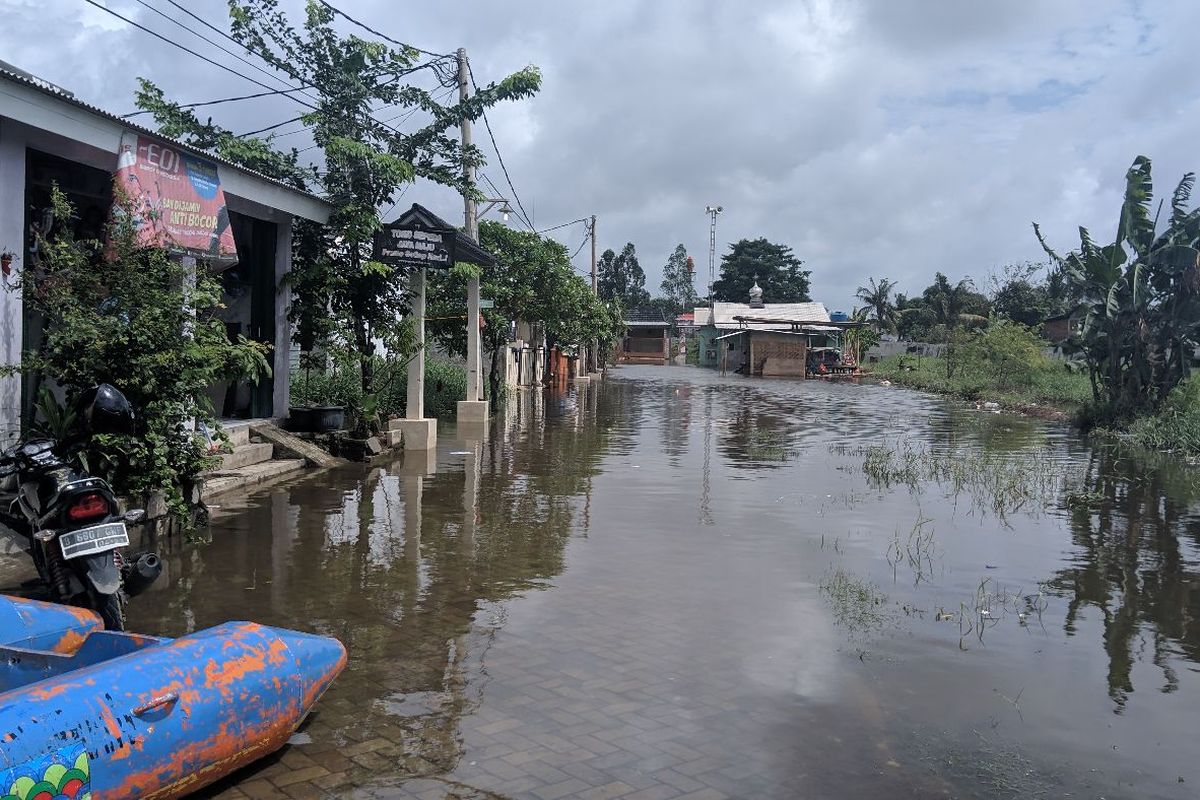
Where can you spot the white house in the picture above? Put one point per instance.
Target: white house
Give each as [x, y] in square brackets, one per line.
[47, 136]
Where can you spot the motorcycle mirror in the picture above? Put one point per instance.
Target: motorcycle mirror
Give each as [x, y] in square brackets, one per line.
[134, 516]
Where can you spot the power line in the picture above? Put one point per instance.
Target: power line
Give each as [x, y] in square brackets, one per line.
[186, 49]
[218, 102]
[564, 225]
[271, 127]
[581, 244]
[383, 36]
[499, 157]
[220, 47]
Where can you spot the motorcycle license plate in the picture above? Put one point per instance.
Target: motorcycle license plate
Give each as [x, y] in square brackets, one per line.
[97, 539]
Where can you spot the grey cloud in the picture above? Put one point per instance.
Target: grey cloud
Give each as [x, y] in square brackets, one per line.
[876, 137]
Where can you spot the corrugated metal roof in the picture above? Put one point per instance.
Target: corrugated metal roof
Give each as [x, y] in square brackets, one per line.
[65, 96]
[787, 314]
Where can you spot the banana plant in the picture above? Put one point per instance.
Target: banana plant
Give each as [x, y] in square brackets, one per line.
[1139, 297]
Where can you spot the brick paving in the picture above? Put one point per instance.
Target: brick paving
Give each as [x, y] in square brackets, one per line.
[548, 643]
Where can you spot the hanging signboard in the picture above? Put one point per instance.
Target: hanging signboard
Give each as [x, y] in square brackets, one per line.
[175, 199]
[401, 245]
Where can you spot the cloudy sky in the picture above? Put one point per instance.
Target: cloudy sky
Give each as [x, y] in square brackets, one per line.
[885, 138]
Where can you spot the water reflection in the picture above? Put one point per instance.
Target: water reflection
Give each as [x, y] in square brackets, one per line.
[1137, 563]
[692, 528]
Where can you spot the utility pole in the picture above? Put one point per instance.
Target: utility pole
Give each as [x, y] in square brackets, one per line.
[712, 211]
[595, 291]
[476, 410]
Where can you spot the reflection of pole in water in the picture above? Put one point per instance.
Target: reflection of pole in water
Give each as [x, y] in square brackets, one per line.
[471, 493]
[706, 475]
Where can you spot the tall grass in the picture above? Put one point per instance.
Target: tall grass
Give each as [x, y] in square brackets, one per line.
[1047, 382]
[1176, 426]
[992, 481]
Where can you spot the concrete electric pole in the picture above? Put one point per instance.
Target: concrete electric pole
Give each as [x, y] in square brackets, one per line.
[473, 408]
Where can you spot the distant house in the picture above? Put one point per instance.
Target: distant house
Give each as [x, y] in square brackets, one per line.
[686, 324]
[739, 337]
[645, 339]
[1061, 327]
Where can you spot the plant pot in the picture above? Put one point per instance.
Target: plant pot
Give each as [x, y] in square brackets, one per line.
[316, 419]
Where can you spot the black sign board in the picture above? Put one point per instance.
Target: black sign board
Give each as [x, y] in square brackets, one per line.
[403, 246]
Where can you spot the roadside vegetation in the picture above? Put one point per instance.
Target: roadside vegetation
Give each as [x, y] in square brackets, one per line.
[1131, 316]
[1002, 363]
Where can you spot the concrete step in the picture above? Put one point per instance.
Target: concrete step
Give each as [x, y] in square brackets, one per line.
[221, 481]
[392, 438]
[238, 432]
[245, 455]
[394, 424]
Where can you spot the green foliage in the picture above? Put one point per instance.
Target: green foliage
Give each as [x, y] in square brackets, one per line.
[777, 271]
[1141, 295]
[620, 277]
[1176, 425]
[340, 294]
[941, 308]
[341, 385]
[1003, 363]
[53, 419]
[878, 298]
[119, 313]
[677, 286]
[532, 282]
[859, 340]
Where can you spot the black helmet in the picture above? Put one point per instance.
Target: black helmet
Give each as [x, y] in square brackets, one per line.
[104, 409]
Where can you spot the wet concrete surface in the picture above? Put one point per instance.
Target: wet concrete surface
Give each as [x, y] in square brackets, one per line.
[670, 586]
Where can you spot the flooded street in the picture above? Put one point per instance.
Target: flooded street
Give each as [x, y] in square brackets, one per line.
[682, 585]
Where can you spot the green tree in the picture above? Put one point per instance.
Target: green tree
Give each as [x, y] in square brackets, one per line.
[1141, 296]
[532, 282]
[777, 271]
[877, 295]
[620, 277]
[955, 304]
[366, 159]
[677, 286]
[121, 313]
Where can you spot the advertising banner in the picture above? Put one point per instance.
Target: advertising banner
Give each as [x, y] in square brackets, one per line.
[176, 199]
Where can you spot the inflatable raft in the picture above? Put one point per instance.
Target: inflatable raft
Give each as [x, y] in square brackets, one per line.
[89, 713]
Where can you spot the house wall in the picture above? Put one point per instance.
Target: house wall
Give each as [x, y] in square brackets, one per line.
[779, 346]
[15, 139]
[12, 240]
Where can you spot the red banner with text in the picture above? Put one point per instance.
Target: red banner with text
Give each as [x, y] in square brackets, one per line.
[176, 199]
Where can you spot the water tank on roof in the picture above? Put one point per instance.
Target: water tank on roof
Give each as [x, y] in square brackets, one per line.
[839, 316]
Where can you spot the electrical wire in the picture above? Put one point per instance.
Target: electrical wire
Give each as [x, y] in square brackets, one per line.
[271, 127]
[186, 49]
[218, 102]
[499, 157]
[220, 47]
[383, 36]
[564, 225]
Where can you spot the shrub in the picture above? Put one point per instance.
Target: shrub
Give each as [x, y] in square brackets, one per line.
[133, 316]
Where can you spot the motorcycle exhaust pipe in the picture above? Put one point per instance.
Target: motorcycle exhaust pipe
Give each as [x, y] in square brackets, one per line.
[144, 571]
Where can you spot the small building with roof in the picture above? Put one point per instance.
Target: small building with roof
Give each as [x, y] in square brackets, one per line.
[768, 339]
[646, 338]
[237, 222]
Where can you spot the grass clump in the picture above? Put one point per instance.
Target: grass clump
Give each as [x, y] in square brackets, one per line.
[857, 604]
[1176, 426]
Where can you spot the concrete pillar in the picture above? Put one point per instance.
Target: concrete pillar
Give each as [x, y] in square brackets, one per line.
[281, 375]
[12, 242]
[474, 408]
[417, 433]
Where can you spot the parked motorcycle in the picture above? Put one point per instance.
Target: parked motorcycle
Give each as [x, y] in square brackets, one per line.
[69, 519]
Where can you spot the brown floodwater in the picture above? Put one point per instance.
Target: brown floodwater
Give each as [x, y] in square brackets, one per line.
[682, 585]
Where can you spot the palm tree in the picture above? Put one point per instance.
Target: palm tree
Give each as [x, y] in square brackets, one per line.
[878, 297]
